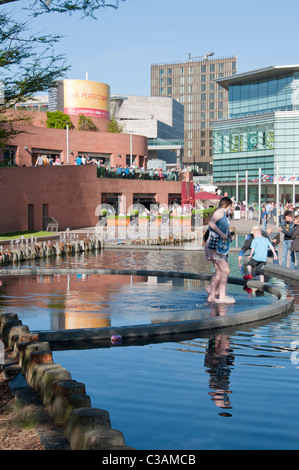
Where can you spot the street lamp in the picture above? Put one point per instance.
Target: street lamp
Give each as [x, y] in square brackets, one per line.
[209, 54]
[67, 141]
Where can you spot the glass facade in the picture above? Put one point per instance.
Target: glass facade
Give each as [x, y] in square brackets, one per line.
[263, 96]
[262, 130]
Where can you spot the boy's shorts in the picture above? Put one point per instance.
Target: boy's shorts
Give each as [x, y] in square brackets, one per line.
[258, 266]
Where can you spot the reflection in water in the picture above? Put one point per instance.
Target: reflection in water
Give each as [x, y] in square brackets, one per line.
[98, 301]
[219, 361]
[158, 382]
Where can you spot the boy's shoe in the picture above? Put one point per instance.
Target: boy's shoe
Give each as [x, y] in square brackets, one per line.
[247, 289]
[248, 276]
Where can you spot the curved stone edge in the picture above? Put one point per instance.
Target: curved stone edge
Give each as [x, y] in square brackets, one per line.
[88, 428]
[281, 271]
[284, 304]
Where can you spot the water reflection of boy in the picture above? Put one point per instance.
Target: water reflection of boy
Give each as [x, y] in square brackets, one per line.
[219, 361]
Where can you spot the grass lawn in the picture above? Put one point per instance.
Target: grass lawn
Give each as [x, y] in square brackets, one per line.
[16, 235]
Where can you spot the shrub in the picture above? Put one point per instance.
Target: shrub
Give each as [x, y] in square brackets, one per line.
[58, 120]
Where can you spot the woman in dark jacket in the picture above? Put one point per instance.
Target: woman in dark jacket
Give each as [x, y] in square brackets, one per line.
[295, 243]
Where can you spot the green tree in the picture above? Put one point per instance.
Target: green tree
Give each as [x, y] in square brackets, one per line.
[58, 120]
[28, 62]
[114, 126]
[85, 123]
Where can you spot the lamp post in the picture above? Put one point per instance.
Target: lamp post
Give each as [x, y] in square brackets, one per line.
[67, 141]
[246, 194]
[206, 56]
[277, 196]
[260, 195]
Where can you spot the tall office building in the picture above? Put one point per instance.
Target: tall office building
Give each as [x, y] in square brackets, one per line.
[192, 83]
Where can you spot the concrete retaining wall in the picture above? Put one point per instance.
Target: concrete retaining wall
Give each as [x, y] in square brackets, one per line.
[48, 249]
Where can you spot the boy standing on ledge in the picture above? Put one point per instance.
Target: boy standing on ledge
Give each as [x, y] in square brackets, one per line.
[258, 254]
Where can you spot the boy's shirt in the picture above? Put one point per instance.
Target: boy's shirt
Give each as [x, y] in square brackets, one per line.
[260, 245]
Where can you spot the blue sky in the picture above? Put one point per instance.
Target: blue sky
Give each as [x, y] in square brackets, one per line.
[119, 47]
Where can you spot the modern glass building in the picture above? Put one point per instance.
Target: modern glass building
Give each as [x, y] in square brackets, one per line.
[262, 128]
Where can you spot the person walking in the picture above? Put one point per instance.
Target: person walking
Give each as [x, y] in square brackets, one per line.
[219, 230]
[264, 218]
[295, 240]
[287, 227]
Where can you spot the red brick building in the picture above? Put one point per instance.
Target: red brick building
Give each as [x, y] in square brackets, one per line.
[69, 193]
[35, 138]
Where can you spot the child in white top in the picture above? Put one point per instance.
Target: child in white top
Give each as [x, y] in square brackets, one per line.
[259, 252]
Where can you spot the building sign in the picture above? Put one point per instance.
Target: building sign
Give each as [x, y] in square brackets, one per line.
[81, 97]
[86, 97]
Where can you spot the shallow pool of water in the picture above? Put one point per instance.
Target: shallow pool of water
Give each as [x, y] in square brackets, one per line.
[236, 389]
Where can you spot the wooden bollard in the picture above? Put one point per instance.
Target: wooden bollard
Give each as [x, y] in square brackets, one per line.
[14, 332]
[28, 347]
[82, 420]
[38, 357]
[66, 395]
[5, 327]
[100, 439]
[28, 338]
[4, 317]
[68, 388]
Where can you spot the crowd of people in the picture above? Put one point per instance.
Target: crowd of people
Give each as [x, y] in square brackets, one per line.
[135, 172]
[47, 160]
[117, 171]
